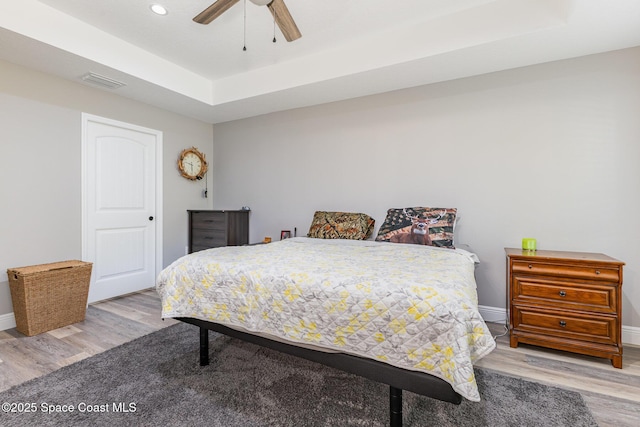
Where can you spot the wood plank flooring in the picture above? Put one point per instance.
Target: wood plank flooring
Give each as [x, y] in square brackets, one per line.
[613, 395]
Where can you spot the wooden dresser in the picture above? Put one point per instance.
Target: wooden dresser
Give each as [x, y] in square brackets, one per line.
[212, 229]
[568, 301]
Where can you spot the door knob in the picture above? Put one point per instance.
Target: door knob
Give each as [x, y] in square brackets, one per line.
[150, 218]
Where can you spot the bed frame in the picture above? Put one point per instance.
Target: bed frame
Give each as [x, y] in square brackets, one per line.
[398, 379]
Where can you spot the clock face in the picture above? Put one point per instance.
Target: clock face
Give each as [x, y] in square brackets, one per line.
[192, 164]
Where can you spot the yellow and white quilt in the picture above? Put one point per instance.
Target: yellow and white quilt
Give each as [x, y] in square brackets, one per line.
[411, 306]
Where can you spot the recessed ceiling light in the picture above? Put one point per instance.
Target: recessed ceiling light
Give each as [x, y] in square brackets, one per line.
[159, 9]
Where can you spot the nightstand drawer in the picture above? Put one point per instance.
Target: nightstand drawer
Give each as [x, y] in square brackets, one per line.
[597, 329]
[573, 271]
[564, 294]
[208, 220]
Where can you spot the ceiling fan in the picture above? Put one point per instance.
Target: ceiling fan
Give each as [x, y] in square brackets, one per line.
[278, 9]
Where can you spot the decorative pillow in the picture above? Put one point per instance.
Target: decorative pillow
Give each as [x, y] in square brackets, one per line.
[341, 225]
[421, 226]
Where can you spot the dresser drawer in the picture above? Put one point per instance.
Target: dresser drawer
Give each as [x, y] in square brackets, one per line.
[565, 294]
[596, 329]
[208, 220]
[587, 272]
[209, 238]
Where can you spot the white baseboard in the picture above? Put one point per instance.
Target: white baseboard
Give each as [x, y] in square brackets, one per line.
[7, 321]
[493, 314]
[630, 334]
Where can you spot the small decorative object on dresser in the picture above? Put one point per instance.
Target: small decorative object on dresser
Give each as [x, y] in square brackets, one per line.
[212, 229]
[529, 244]
[285, 234]
[568, 301]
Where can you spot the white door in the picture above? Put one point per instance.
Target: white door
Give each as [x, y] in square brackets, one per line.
[120, 206]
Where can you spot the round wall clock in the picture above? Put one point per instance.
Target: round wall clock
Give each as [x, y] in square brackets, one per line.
[192, 164]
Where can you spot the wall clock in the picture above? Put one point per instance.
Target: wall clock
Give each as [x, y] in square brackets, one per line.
[192, 164]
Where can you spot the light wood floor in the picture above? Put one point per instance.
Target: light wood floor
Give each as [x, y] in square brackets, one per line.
[613, 395]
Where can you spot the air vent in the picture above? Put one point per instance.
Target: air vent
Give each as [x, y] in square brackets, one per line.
[102, 81]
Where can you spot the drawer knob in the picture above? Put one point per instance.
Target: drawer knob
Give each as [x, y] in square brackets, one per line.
[597, 271]
[563, 293]
[563, 323]
[530, 266]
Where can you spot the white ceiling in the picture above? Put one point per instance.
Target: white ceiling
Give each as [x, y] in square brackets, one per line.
[349, 48]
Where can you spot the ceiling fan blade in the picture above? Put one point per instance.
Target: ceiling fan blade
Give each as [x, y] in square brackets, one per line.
[213, 11]
[284, 20]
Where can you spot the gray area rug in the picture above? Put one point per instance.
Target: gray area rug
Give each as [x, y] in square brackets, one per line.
[156, 381]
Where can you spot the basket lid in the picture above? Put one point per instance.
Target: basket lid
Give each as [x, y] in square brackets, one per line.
[32, 269]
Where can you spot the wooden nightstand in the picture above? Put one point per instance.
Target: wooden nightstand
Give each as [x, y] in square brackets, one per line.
[568, 301]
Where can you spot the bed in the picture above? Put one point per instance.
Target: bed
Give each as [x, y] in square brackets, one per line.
[402, 314]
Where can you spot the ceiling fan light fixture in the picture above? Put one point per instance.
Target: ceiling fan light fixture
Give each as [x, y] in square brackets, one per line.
[158, 9]
[261, 2]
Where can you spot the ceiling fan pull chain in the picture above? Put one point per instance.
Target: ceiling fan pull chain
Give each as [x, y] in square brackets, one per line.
[274, 27]
[244, 47]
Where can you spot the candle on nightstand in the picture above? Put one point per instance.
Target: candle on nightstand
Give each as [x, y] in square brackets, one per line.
[529, 244]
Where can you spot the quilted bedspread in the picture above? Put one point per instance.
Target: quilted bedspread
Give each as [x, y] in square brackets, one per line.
[411, 306]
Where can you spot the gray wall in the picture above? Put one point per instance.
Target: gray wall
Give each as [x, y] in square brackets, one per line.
[548, 151]
[40, 144]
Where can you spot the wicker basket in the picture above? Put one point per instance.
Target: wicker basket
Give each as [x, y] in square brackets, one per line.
[49, 296]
